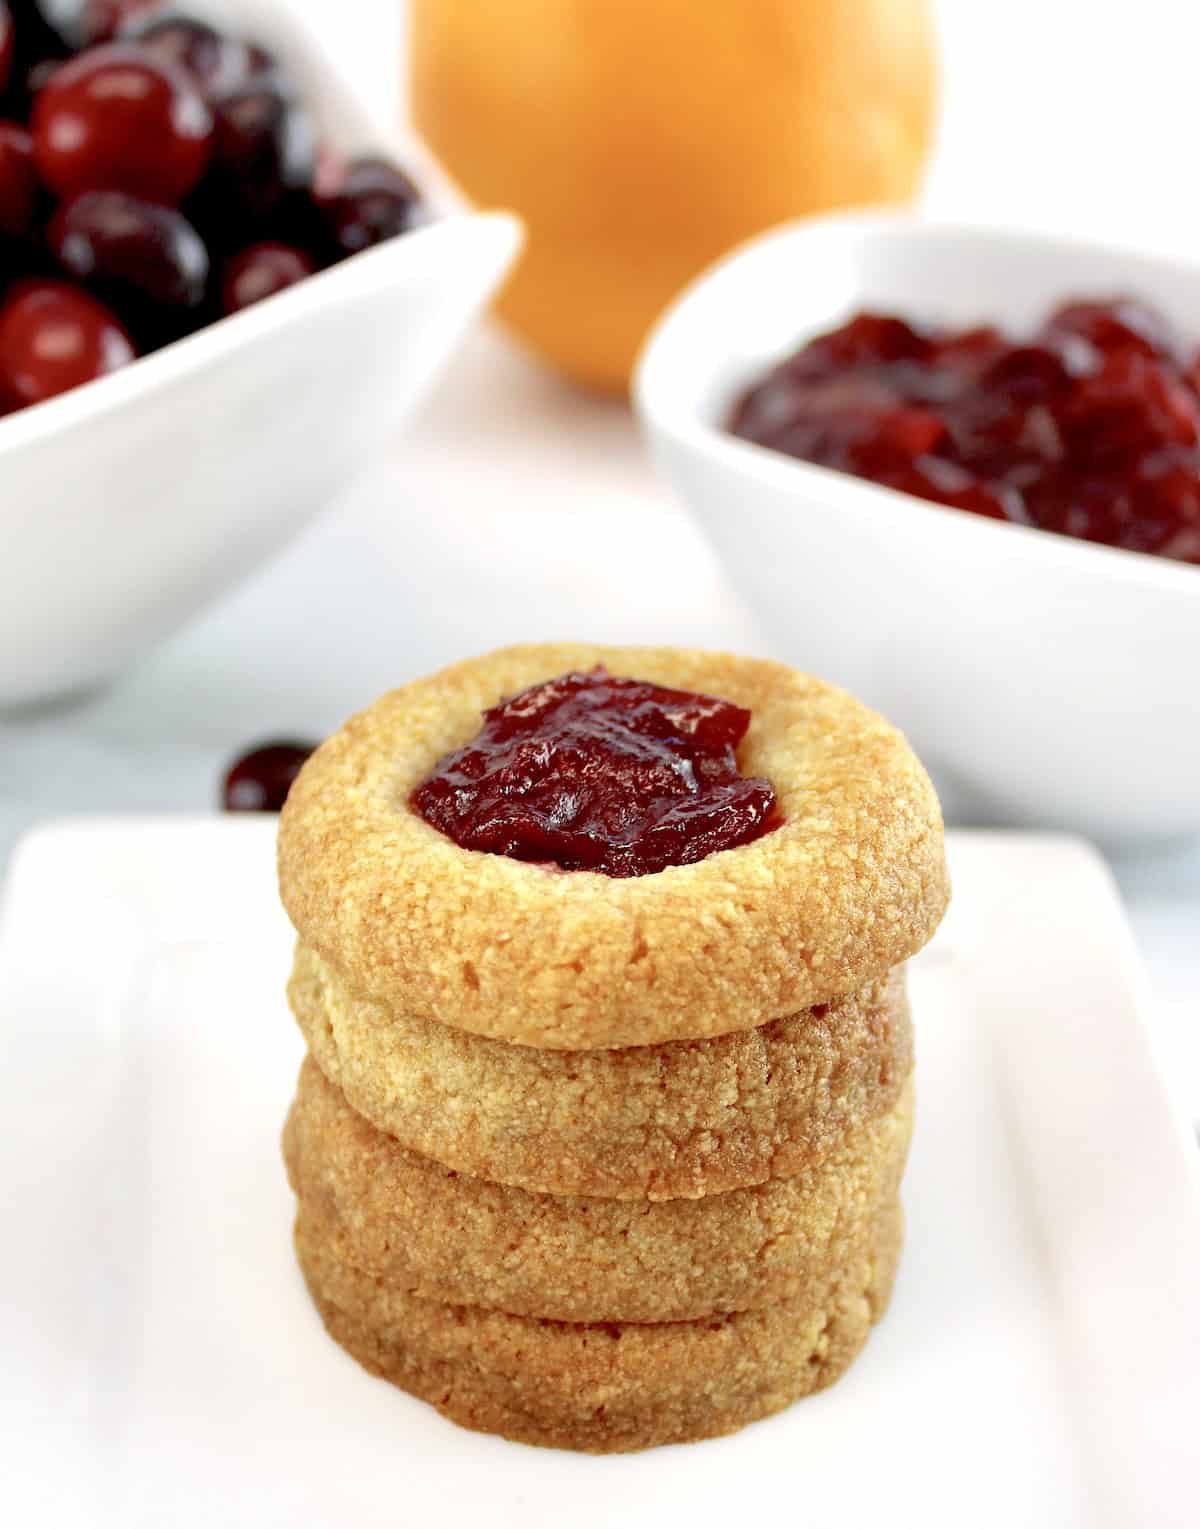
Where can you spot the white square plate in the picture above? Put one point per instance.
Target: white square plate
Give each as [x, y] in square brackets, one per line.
[160, 1364]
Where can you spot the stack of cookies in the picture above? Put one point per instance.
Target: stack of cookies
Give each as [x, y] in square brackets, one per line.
[604, 1161]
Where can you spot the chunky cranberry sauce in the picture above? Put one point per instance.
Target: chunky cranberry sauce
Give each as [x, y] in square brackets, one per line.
[595, 773]
[1090, 427]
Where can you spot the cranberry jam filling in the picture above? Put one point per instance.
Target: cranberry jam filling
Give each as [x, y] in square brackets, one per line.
[1090, 428]
[595, 773]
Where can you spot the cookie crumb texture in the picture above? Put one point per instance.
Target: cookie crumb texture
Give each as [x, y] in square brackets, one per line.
[612, 1387]
[456, 1238]
[850, 884]
[680, 1120]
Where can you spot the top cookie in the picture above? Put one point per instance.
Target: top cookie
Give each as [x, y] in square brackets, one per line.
[852, 882]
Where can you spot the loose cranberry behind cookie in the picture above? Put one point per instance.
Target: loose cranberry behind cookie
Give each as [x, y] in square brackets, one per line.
[260, 779]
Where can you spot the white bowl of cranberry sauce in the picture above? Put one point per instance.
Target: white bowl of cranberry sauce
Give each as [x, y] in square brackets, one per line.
[1046, 679]
[220, 293]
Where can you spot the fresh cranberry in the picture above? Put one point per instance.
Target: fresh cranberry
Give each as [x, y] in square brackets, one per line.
[167, 144]
[143, 258]
[54, 337]
[374, 202]
[259, 780]
[595, 773]
[115, 119]
[215, 61]
[263, 148]
[18, 182]
[261, 271]
[6, 44]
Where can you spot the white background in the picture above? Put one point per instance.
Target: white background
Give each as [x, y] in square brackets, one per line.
[518, 509]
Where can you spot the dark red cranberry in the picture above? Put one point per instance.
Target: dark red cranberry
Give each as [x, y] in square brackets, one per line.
[215, 61]
[114, 119]
[54, 337]
[261, 271]
[18, 182]
[259, 780]
[375, 201]
[145, 259]
[7, 44]
[595, 773]
[262, 151]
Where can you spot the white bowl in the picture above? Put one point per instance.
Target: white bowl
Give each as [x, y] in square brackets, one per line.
[1044, 680]
[132, 502]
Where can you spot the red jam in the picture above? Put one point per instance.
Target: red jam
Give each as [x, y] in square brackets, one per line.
[594, 773]
[1090, 428]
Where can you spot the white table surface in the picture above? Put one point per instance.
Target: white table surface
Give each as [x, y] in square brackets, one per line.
[517, 509]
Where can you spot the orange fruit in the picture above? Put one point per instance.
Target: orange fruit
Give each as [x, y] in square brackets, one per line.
[641, 139]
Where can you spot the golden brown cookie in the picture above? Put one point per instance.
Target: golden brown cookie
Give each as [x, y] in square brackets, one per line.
[851, 884]
[610, 1387]
[448, 1236]
[687, 1118]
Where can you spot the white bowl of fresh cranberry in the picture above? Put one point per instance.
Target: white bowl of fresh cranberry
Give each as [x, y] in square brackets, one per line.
[219, 294]
[958, 472]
